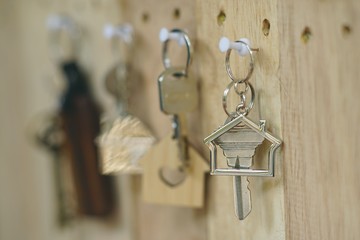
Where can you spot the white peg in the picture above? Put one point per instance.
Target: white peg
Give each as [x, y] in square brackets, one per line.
[225, 44]
[123, 31]
[60, 22]
[165, 34]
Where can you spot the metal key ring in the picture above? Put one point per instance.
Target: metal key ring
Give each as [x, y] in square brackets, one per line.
[236, 85]
[228, 67]
[165, 57]
[247, 109]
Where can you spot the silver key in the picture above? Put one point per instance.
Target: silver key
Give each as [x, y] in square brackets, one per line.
[178, 95]
[239, 146]
[178, 92]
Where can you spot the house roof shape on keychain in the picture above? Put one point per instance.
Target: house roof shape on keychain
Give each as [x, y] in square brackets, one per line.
[260, 129]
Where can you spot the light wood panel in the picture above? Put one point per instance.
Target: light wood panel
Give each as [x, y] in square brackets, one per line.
[243, 19]
[191, 188]
[320, 111]
[29, 87]
[160, 222]
[307, 92]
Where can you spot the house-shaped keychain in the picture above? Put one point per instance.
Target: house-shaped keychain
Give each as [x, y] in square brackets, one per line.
[238, 139]
[233, 138]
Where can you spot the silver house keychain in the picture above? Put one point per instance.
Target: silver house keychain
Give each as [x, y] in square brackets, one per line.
[239, 136]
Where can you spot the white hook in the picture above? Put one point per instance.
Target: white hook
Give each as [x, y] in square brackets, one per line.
[225, 44]
[165, 34]
[123, 31]
[61, 22]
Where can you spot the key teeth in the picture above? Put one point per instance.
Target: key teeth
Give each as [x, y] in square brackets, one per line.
[242, 199]
[250, 206]
[247, 183]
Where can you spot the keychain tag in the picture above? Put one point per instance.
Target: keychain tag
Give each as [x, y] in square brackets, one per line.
[122, 146]
[164, 156]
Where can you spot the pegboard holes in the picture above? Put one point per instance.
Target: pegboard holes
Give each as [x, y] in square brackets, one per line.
[221, 18]
[95, 3]
[145, 17]
[266, 27]
[346, 29]
[306, 35]
[176, 13]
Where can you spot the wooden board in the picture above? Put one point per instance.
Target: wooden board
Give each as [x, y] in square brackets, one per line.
[307, 92]
[29, 87]
[147, 18]
[243, 19]
[319, 71]
[190, 192]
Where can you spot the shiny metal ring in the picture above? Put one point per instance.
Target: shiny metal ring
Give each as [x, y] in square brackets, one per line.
[247, 108]
[165, 57]
[228, 67]
[241, 92]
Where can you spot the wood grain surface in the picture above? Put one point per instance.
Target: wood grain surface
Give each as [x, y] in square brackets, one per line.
[306, 79]
[165, 156]
[320, 111]
[160, 222]
[243, 19]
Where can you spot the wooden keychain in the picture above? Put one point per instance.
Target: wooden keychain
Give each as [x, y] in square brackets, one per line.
[124, 138]
[173, 170]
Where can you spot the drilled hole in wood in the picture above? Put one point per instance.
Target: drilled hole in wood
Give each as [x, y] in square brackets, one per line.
[346, 29]
[176, 13]
[221, 18]
[145, 17]
[306, 35]
[266, 27]
[95, 3]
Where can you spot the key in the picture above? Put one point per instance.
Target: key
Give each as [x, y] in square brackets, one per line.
[239, 146]
[50, 137]
[242, 195]
[178, 95]
[117, 85]
[116, 82]
[180, 133]
[178, 92]
[175, 176]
